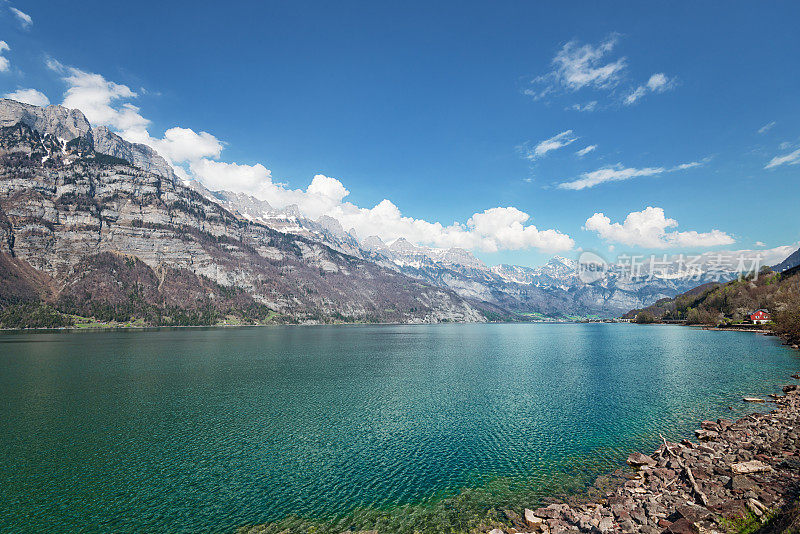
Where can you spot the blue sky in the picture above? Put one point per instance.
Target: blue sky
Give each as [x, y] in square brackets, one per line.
[440, 109]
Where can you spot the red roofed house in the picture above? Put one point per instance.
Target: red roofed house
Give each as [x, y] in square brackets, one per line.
[760, 317]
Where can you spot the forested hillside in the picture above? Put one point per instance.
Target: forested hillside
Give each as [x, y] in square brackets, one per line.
[731, 303]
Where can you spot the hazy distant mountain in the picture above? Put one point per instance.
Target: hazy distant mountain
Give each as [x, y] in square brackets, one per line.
[553, 289]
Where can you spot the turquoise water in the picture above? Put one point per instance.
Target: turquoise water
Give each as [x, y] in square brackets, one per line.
[192, 430]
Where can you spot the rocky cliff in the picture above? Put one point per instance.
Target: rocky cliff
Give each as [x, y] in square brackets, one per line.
[91, 233]
[141, 156]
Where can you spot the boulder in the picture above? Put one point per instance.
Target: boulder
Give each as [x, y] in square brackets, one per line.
[637, 460]
[606, 525]
[706, 435]
[682, 526]
[693, 512]
[533, 520]
[753, 466]
[740, 483]
[552, 511]
[756, 507]
[709, 425]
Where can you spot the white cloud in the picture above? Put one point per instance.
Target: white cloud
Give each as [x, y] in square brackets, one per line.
[327, 187]
[196, 155]
[217, 175]
[501, 228]
[29, 96]
[180, 145]
[760, 244]
[554, 143]
[589, 106]
[5, 64]
[658, 83]
[582, 152]
[767, 127]
[638, 93]
[105, 104]
[25, 20]
[100, 99]
[619, 173]
[649, 229]
[793, 158]
[578, 66]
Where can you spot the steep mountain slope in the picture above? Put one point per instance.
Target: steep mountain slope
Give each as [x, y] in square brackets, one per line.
[88, 231]
[789, 263]
[141, 156]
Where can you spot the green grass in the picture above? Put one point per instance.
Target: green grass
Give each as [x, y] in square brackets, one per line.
[750, 524]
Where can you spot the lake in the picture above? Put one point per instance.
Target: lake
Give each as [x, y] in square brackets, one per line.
[400, 427]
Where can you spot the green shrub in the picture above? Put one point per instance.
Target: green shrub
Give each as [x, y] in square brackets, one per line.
[33, 315]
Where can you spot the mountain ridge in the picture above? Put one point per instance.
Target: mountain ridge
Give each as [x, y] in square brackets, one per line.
[64, 141]
[70, 214]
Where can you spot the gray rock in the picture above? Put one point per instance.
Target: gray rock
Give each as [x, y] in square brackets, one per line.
[142, 156]
[637, 459]
[66, 124]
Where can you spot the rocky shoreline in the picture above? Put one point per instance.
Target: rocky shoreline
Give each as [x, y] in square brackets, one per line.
[735, 471]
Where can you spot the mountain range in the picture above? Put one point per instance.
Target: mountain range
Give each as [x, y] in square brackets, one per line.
[97, 226]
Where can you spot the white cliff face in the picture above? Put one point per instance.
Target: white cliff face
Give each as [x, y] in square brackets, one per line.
[60, 122]
[142, 156]
[66, 125]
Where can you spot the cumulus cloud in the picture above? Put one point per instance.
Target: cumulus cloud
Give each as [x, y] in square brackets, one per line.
[29, 96]
[793, 158]
[25, 20]
[582, 152]
[617, 173]
[106, 103]
[197, 156]
[179, 145]
[767, 127]
[217, 175]
[99, 99]
[494, 229]
[554, 143]
[5, 64]
[658, 83]
[649, 228]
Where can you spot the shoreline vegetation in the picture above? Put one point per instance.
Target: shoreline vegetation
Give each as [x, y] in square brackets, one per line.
[39, 316]
[727, 306]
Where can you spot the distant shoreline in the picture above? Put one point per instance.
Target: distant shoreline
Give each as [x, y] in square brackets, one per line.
[164, 327]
